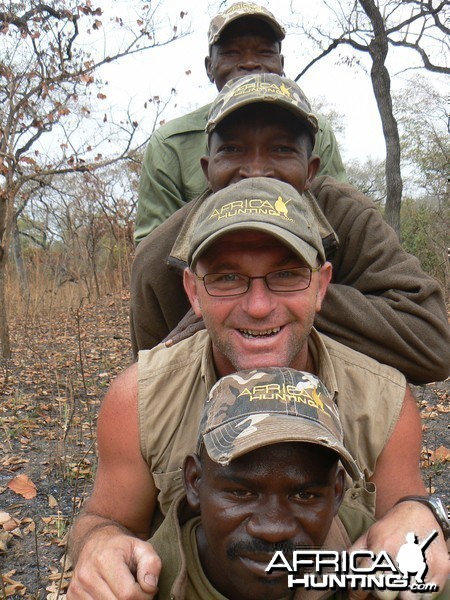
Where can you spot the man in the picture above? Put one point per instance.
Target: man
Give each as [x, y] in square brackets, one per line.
[380, 302]
[245, 38]
[258, 274]
[245, 507]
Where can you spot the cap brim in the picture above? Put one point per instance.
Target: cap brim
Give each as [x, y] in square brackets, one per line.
[227, 442]
[307, 119]
[277, 29]
[301, 248]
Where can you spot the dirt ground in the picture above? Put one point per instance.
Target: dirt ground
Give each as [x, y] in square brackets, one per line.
[50, 393]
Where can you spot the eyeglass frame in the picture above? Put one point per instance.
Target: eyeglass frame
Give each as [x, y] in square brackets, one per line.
[249, 280]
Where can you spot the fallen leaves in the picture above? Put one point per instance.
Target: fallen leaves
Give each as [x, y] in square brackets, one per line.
[23, 486]
[441, 454]
[12, 587]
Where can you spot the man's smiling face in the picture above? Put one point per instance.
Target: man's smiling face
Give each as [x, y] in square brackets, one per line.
[250, 508]
[259, 328]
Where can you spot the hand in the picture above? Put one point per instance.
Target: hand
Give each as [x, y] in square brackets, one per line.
[113, 565]
[188, 325]
[389, 534]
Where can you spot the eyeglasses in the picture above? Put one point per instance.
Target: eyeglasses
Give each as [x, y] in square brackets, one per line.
[236, 284]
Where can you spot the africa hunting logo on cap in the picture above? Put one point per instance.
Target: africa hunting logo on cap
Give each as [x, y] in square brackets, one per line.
[238, 11]
[252, 206]
[258, 88]
[255, 408]
[263, 204]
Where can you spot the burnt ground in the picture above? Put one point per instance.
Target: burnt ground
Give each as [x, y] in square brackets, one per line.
[50, 394]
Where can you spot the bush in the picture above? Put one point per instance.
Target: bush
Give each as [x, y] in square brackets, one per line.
[424, 234]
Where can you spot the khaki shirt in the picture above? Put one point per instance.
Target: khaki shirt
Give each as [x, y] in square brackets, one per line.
[174, 383]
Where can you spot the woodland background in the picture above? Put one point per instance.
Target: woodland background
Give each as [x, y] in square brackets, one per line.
[69, 173]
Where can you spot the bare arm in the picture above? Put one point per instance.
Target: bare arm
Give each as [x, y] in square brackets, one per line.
[400, 460]
[106, 540]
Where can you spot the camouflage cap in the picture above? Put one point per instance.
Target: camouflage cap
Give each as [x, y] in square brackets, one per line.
[262, 204]
[257, 88]
[255, 408]
[238, 11]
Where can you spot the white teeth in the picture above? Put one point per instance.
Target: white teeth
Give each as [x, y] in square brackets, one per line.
[254, 333]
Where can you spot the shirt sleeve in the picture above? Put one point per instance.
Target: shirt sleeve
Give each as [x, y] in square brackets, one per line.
[326, 147]
[160, 193]
[380, 301]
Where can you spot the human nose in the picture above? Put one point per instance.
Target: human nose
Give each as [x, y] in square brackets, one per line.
[256, 165]
[273, 523]
[249, 63]
[259, 301]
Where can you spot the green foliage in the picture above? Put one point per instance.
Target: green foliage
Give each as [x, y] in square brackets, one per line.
[424, 233]
[369, 178]
[424, 140]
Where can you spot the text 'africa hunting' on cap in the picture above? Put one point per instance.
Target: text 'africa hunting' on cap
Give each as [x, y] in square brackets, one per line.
[255, 408]
[261, 88]
[262, 204]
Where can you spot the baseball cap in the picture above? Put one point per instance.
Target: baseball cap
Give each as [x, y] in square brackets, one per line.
[238, 11]
[261, 87]
[255, 408]
[262, 204]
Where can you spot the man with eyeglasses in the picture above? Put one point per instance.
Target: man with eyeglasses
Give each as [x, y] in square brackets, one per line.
[380, 302]
[257, 275]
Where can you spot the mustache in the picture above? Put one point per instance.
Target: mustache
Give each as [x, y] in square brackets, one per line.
[256, 545]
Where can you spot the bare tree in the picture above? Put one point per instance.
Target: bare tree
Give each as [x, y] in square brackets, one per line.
[372, 27]
[46, 79]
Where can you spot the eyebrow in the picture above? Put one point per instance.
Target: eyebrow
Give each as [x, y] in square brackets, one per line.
[232, 267]
[246, 481]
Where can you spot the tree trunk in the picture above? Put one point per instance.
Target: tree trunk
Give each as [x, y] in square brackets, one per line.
[18, 259]
[4, 328]
[381, 84]
[6, 208]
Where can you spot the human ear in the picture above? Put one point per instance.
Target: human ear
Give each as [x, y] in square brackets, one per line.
[313, 167]
[209, 69]
[324, 279]
[204, 163]
[190, 286]
[192, 472]
[339, 488]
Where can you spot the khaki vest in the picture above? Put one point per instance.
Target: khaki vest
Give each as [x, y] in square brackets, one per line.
[174, 383]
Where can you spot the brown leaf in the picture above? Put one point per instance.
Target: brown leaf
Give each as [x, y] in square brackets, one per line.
[4, 517]
[441, 454]
[23, 486]
[5, 538]
[52, 501]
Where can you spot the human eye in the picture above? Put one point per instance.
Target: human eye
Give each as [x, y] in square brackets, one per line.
[268, 50]
[226, 277]
[288, 279]
[305, 496]
[284, 149]
[242, 494]
[229, 148]
[224, 282]
[286, 274]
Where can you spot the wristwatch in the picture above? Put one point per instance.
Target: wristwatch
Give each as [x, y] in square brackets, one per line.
[437, 507]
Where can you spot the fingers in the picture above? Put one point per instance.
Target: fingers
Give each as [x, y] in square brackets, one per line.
[148, 568]
[123, 569]
[184, 330]
[400, 534]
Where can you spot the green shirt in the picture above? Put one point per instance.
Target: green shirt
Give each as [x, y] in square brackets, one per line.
[171, 173]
